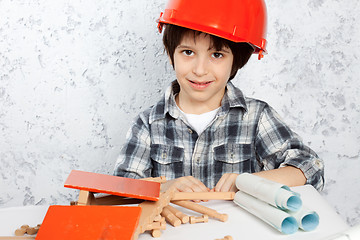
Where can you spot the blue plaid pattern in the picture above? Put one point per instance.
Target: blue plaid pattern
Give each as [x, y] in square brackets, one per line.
[247, 135]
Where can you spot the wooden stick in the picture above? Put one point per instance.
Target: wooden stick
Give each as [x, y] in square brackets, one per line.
[85, 198]
[226, 238]
[202, 219]
[156, 226]
[183, 217]
[203, 196]
[156, 233]
[202, 209]
[159, 218]
[149, 210]
[170, 217]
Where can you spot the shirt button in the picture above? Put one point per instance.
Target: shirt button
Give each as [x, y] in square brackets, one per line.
[318, 163]
[190, 131]
[164, 155]
[198, 160]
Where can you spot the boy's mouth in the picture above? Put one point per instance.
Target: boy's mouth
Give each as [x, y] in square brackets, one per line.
[200, 85]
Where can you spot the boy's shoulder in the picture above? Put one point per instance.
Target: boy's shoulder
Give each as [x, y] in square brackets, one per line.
[252, 102]
[237, 98]
[153, 112]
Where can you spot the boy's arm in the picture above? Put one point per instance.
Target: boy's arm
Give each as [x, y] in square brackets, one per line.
[278, 147]
[288, 175]
[134, 159]
[283, 155]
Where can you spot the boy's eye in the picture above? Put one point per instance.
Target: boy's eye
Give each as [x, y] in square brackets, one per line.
[217, 55]
[188, 52]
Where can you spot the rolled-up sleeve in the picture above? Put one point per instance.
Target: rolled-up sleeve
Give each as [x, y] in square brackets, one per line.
[278, 146]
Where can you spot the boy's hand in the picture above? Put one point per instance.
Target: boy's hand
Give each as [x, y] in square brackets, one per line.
[227, 183]
[186, 184]
[189, 184]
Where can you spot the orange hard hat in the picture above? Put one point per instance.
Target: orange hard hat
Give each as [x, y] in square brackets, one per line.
[235, 20]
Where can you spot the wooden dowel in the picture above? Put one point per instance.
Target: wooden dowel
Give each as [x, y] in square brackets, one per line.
[85, 198]
[202, 209]
[202, 219]
[158, 218]
[170, 217]
[20, 231]
[156, 226]
[32, 230]
[183, 217]
[203, 196]
[156, 233]
[226, 238]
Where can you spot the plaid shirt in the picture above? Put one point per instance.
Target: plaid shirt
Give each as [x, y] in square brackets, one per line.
[246, 135]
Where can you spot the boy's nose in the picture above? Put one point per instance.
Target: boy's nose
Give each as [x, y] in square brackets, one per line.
[201, 66]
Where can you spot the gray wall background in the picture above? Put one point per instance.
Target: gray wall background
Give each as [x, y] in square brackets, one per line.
[73, 75]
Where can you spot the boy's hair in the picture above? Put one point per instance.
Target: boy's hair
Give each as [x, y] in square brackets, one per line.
[241, 51]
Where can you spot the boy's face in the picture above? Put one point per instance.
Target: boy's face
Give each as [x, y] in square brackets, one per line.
[202, 73]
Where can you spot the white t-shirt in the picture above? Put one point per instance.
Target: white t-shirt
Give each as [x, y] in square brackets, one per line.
[200, 121]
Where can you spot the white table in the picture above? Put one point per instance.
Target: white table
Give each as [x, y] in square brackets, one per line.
[240, 225]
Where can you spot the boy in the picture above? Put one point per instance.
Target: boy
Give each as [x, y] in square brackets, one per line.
[204, 132]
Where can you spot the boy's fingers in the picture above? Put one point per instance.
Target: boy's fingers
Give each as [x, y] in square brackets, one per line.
[226, 183]
[190, 184]
[197, 185]
[220, 183]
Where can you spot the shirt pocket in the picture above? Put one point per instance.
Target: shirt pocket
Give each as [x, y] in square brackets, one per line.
[167, 161]
[233, 158]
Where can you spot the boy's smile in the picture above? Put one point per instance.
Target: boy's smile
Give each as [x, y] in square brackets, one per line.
[202, 73]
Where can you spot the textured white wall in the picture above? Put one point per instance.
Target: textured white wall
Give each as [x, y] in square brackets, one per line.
[73, 74]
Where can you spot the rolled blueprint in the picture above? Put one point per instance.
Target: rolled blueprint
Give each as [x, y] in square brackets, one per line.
[307, 219]
[274, 193]
[275, 217]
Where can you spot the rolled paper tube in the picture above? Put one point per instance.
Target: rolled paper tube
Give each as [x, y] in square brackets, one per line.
[275, 217]
[307, 219]
[288, 200]
[274, 193]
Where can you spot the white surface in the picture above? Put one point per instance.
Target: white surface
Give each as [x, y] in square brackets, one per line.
[73, 74]
[240, 225]
[14, 217]
[243, 225]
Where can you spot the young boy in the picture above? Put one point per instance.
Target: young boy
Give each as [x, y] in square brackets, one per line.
[204, 132]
